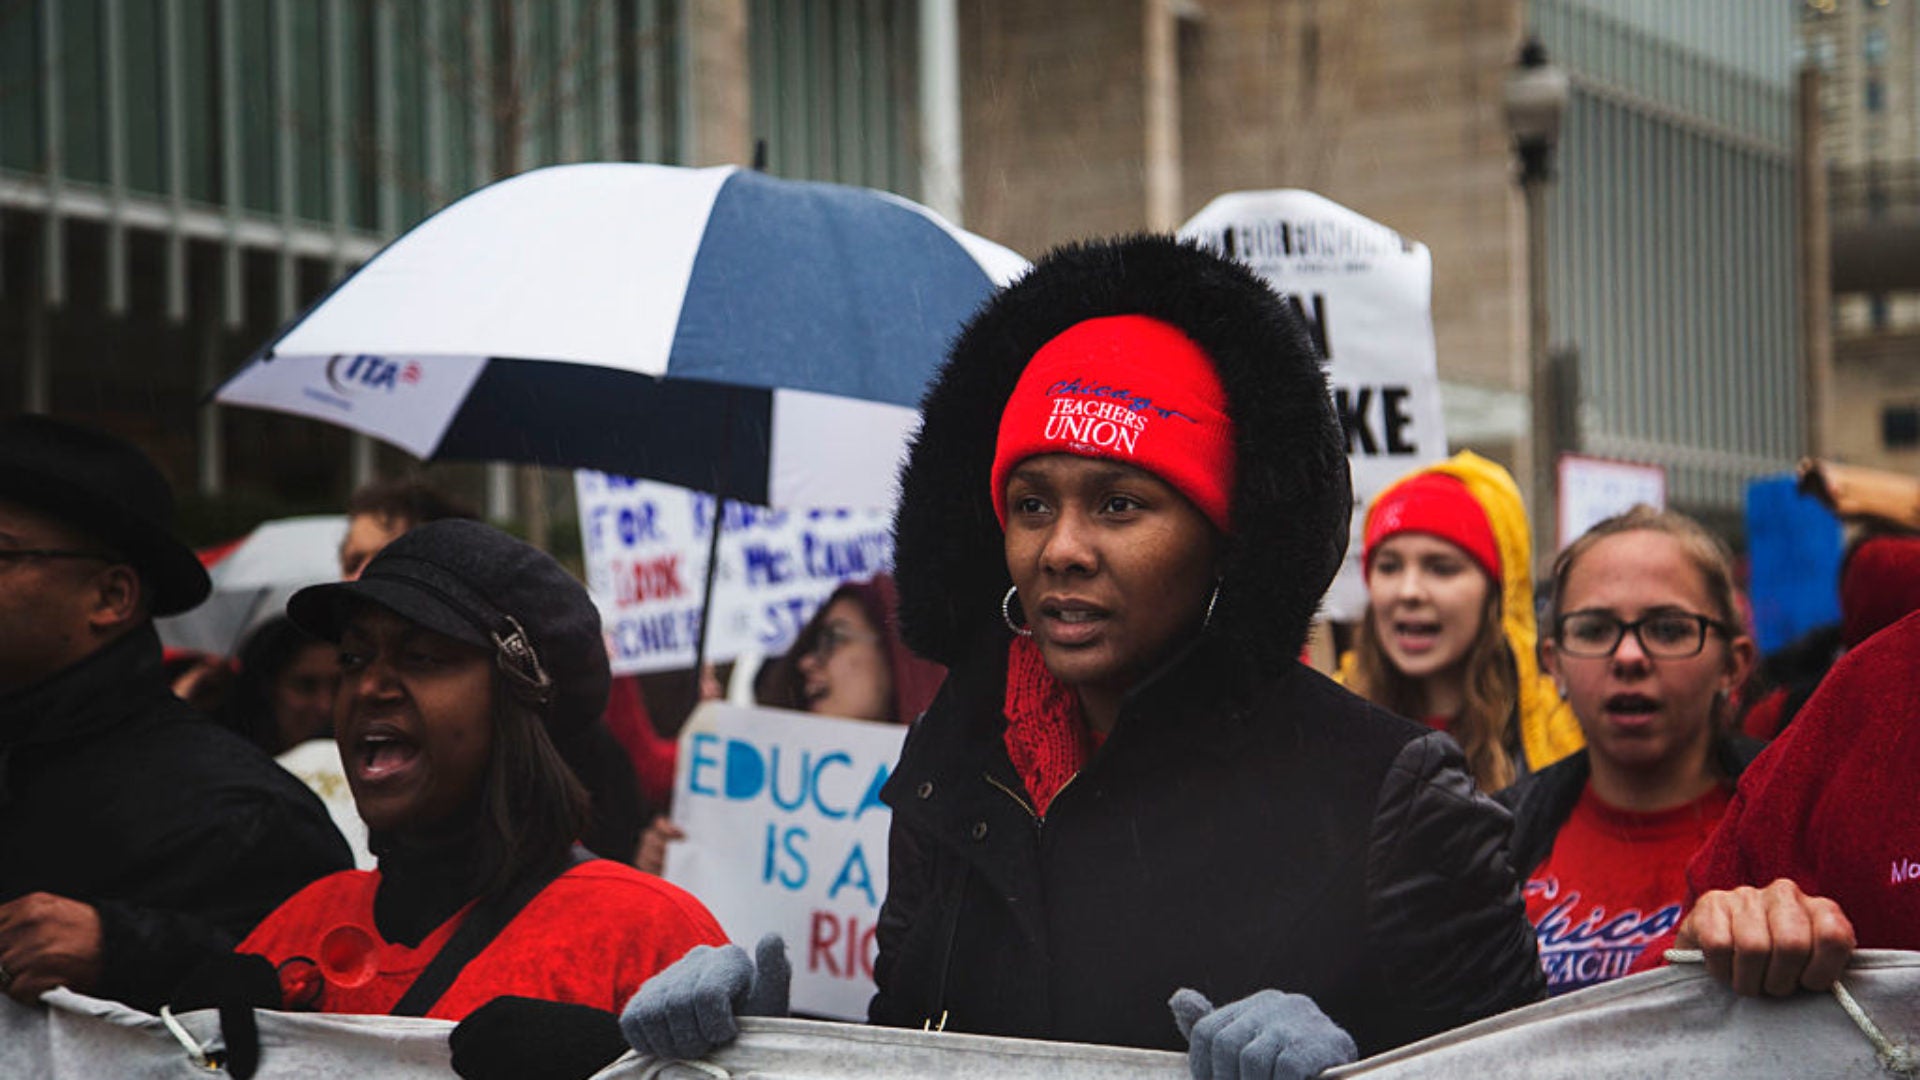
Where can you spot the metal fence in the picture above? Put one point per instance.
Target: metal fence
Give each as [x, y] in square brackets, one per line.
[1671, 236]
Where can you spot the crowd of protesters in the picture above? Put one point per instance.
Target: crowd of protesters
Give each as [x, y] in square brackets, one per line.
[1126, 811]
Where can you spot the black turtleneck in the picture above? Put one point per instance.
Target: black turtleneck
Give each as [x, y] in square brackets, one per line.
[425, 876]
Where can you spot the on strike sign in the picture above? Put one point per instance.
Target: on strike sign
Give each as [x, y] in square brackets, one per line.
[786, 834]
[1366, 295]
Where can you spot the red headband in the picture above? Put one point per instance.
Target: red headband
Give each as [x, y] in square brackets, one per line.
[1437, 504]
[1123, 388]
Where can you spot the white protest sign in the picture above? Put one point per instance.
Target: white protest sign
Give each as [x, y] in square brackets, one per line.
[1366, 293]
[646, 543]
[1593, 489]
[786, 834]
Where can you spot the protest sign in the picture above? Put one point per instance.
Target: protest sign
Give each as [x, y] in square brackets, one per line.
[786, 834]
[1365, 293]
[645, 546]
[1593, 489]
[1795, 546]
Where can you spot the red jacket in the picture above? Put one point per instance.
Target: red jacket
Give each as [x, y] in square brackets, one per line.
[591, 937]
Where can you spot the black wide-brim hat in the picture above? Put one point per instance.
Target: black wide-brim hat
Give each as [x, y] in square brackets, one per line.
[476, 584]
[106, 487]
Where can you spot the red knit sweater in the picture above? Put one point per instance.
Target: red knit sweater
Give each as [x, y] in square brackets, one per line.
[591, 937]
[1830, 803]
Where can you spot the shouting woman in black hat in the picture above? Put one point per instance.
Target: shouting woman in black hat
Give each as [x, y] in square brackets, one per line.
[464, 653]
[1126, 500]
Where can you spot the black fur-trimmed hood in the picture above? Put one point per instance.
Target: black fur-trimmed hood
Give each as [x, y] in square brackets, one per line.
[1292, 497]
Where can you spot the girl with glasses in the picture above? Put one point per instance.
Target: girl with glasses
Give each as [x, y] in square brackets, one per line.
[1645, 644]
[1448, 638]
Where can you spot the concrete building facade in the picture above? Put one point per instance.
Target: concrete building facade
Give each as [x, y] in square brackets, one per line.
[1867, 59]
[1671, 271]
[177, 177]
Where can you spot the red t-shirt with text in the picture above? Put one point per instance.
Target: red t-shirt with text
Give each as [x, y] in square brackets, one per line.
[1614, 883]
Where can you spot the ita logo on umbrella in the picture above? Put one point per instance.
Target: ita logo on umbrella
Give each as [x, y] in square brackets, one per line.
[348, 375]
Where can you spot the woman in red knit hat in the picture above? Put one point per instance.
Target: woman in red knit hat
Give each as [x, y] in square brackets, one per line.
[1127, 497]
[1448, 637]
[1644, 641]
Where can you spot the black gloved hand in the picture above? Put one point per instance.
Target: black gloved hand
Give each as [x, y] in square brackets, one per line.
[539, 1040]
[236, 984]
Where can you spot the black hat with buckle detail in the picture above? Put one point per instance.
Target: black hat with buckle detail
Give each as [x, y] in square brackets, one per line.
[476, 584]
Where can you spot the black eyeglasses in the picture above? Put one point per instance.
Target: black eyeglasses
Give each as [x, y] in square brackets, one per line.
[8, 555]
[1666, 635]
[834, 635]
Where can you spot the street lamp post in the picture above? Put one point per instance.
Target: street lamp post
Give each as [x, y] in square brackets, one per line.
[1536, 99]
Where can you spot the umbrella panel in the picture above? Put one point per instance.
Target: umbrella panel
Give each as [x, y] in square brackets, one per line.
[707, 436]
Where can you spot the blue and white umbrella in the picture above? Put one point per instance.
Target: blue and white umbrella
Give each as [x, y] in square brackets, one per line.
[764, 339]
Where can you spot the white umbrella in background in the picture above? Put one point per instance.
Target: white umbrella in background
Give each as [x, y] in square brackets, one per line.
[253, 579]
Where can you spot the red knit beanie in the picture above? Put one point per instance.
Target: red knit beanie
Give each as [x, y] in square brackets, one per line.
[1124, 388]
[1437, 504]
[1879, 585]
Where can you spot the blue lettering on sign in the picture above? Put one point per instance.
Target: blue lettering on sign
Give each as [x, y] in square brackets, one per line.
[855, 873]
[703, 744]
[799, 797]
[829, 759]
[783, 620]
[859, 556]
[871, 800]
[749, 770]
[738, 516]
[746, 773]
[766, 565]
[783, 859]
[637, 524]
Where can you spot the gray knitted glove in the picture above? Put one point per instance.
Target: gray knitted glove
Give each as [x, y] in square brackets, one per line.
[690, 1008]
[1266, 1035]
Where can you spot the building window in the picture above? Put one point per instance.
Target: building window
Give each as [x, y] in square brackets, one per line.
[1874, 45]
[1900, 427]
[1876, 95]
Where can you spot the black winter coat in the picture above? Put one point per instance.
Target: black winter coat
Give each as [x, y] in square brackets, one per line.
[181, 834]
[1248, 825]
[1312, 843]
[1541, 802]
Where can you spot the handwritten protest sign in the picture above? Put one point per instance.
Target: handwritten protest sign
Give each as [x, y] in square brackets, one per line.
[1593, 489]
[646, 558]
[786, 834]
[1366, 294]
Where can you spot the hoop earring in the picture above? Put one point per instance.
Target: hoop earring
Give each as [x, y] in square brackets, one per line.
[1006, 612]
[1207, 623]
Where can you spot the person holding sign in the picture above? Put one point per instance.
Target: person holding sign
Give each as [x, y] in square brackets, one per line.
[1125, 502]
[1448, 638]
[1646, 645]
[464, 653]
[849, 662]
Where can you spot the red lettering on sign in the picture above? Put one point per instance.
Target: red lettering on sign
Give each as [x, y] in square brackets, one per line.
[840, 946]
[654, 579]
